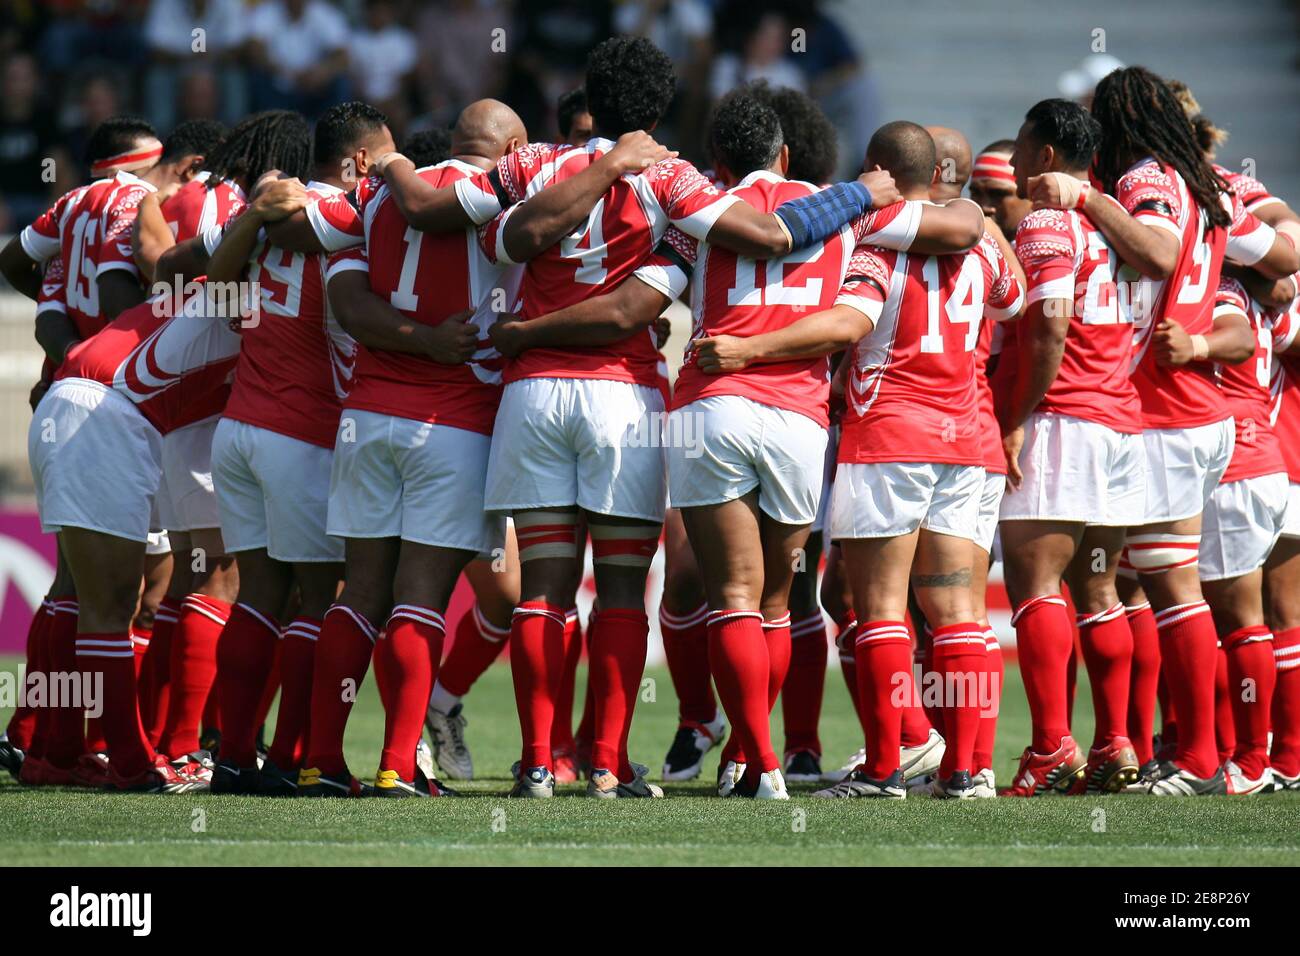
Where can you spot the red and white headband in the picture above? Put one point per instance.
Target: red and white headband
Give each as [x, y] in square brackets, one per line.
[994, 166]
[140, 157]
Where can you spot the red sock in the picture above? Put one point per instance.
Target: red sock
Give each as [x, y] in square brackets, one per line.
[883, 651]
[193, 671]
[582, 737]
[297, 663]
[158, 669]
[686, 647]
[477, 644]
[933, 713]
[26, 726]
[1189, 649]
[618, 652]
[1144, 677]
[1252, 680]
[140, 640]
[916, 725]
[738, 657]
[1225, 728]
[67, 740]
[342, 658]
[244, 657]
[1285, 755]
[406, 652]
[801, 695]
[776, 634]
[536, 667]
[960, 655]
[994, 671]
[1043, 643]
[1107, 645]
[562, 722]
[111, 655]
[270, 688]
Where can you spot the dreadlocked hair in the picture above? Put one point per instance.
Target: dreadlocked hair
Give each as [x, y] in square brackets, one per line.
[1141, 116]
[275, 139]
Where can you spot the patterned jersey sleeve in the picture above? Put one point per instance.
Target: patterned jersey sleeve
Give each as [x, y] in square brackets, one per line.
[40, 240]
[486, 195]
[866, 283]
[1045, 248]
[1150, 195]
[1249, 238]
[669, 267]
[1005, 297]
[893, 227]
[337, 220]
[352, 259]
[1230, 298]
[1252, 193]
[115, 249]
[52, 296]
[690, 199]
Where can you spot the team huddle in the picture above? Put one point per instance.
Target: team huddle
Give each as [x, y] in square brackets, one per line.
[298, 383]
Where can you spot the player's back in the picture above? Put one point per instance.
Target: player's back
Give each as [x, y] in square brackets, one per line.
[912, 392]
[172, 359]
[428, 277]
[733, 295]
[1247, 385]
[295, 364]
[618, 234]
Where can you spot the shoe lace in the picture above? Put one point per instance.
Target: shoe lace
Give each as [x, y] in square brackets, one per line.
[453, 728]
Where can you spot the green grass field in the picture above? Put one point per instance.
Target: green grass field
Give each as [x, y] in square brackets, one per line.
[77, 828]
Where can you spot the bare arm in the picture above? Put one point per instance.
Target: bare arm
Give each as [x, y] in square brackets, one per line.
[19, 270]
[150, 237]
[546, 218]
[1271, 293]
[813, 336]
[1044, 330]
[428, 208]
[1231, 342]
[603, 320]
[273, 200]
[295, 234]
[956, 226]
[118, 291]
[1280, 261]
[1151, 250]
[374, 323]
[183, 262]
[56, 334]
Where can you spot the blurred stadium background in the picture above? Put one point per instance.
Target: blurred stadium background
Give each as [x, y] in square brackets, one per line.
[67, 64]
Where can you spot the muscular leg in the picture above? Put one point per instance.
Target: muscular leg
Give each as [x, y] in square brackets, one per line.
[1282, 581]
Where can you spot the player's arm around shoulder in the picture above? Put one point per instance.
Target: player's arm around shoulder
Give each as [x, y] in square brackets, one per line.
[956, 226]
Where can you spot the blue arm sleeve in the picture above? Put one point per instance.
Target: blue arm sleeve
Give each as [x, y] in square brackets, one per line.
[813, 218]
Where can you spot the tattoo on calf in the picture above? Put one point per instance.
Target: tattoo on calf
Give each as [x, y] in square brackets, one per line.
[955, 579]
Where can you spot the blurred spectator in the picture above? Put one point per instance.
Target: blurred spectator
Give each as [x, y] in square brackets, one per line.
[300, 49]
[199, 96]
[31, 153]
[382, 54]
[187, 34]
[762, 56]
[458, 63]
[684, 30]
[551, 40]
[572, 118]
[98, 98]
[82, 31]
[21, 25]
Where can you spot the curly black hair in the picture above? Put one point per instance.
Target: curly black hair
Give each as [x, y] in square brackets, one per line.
[567, 107]
[117, 135]
[428, 147]
[341, 129]
[198, 137]
[807, 130]
[1068, 128]
[630, 83]
[1141, 116]
[745, 133]
[275, 139]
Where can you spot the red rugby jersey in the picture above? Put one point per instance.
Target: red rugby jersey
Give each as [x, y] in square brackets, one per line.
[1156, 195]
[733, 295]
[912, 395]
[618, 235]
[295, 365]
[90, 229]
[175, 365]
[1066, 257]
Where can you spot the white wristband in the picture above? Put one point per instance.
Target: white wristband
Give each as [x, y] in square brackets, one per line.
[1200, 348]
